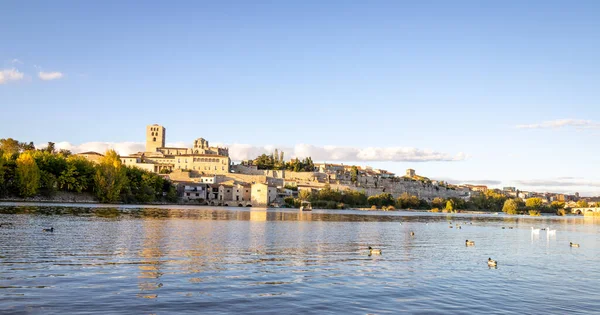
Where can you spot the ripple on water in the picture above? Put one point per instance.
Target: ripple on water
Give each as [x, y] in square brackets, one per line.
[103, 260]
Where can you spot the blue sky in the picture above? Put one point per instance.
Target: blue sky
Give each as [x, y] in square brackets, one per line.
[449, 76]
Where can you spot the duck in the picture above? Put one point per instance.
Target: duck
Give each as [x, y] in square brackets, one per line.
[450, 226]
[535, 230]
[373, 251]
[51, 229]
[459, 227]
[412, 233]
[573, 244]
[510, 227]
[492, 263]
[503, 227]
[470, 243]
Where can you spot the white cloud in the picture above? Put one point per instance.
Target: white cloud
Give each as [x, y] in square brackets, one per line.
[487, 182]
[46, 76]
[7, 75]
[123, 148]
[560, 123]
[16, 61]
[559, 182]
[239, 152]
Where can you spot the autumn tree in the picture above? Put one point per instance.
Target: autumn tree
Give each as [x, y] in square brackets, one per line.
[511, 206]
[533, 203]
[582, 204]
[557, 205]
[28, 175]
[110, 177]
[450, 205]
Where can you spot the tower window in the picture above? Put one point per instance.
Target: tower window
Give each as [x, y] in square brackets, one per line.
[154, 139]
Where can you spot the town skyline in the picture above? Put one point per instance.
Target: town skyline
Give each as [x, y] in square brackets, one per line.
[477, 94]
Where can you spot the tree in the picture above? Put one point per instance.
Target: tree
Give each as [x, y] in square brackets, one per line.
[582, 204]
[450, 205]
[110, 177]
[557, 205]
[406, 201]
[2, 172]
[533, 203]
[511, 206]
[78, 175]
[438, 202]
[50, 148]
[28, 175]
[304, 194]
[354, 174]
[10, 146]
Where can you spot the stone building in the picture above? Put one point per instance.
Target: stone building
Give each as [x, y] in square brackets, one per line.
[202, 158]
[91, 156]
[263, 194]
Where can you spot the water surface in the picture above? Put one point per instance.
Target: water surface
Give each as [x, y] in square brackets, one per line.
[178, 259]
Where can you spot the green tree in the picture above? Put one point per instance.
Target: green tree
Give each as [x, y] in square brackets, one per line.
[304, 194]
[50, 148]
[354, 174]
[2, 172]
[110, 177]
[406, 201]
[511, 206]
[534, 203]
[28, 175]
[438, 202]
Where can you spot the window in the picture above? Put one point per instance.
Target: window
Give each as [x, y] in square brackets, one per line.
[187, 194]
[197, 195]
[154, 139]
[227, 190]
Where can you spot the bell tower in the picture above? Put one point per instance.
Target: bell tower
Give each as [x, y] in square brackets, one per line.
[155, 137]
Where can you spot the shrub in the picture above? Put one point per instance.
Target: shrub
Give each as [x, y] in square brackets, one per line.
[435, 210]
[561, 212]
[373, 207]
[534, 213]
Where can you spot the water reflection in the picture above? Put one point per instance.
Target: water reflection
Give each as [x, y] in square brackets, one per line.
[231, 260]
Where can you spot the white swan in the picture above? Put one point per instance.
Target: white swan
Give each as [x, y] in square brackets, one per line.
[550, 232]
[536, 231]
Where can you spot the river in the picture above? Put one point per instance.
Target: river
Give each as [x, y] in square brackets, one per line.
[186, 259]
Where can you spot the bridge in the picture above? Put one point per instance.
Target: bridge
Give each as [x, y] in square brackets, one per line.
[585, 210]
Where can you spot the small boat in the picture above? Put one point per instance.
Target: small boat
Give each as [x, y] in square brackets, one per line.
[305, 206]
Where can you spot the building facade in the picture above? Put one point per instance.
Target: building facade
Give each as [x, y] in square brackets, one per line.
[158, 158]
